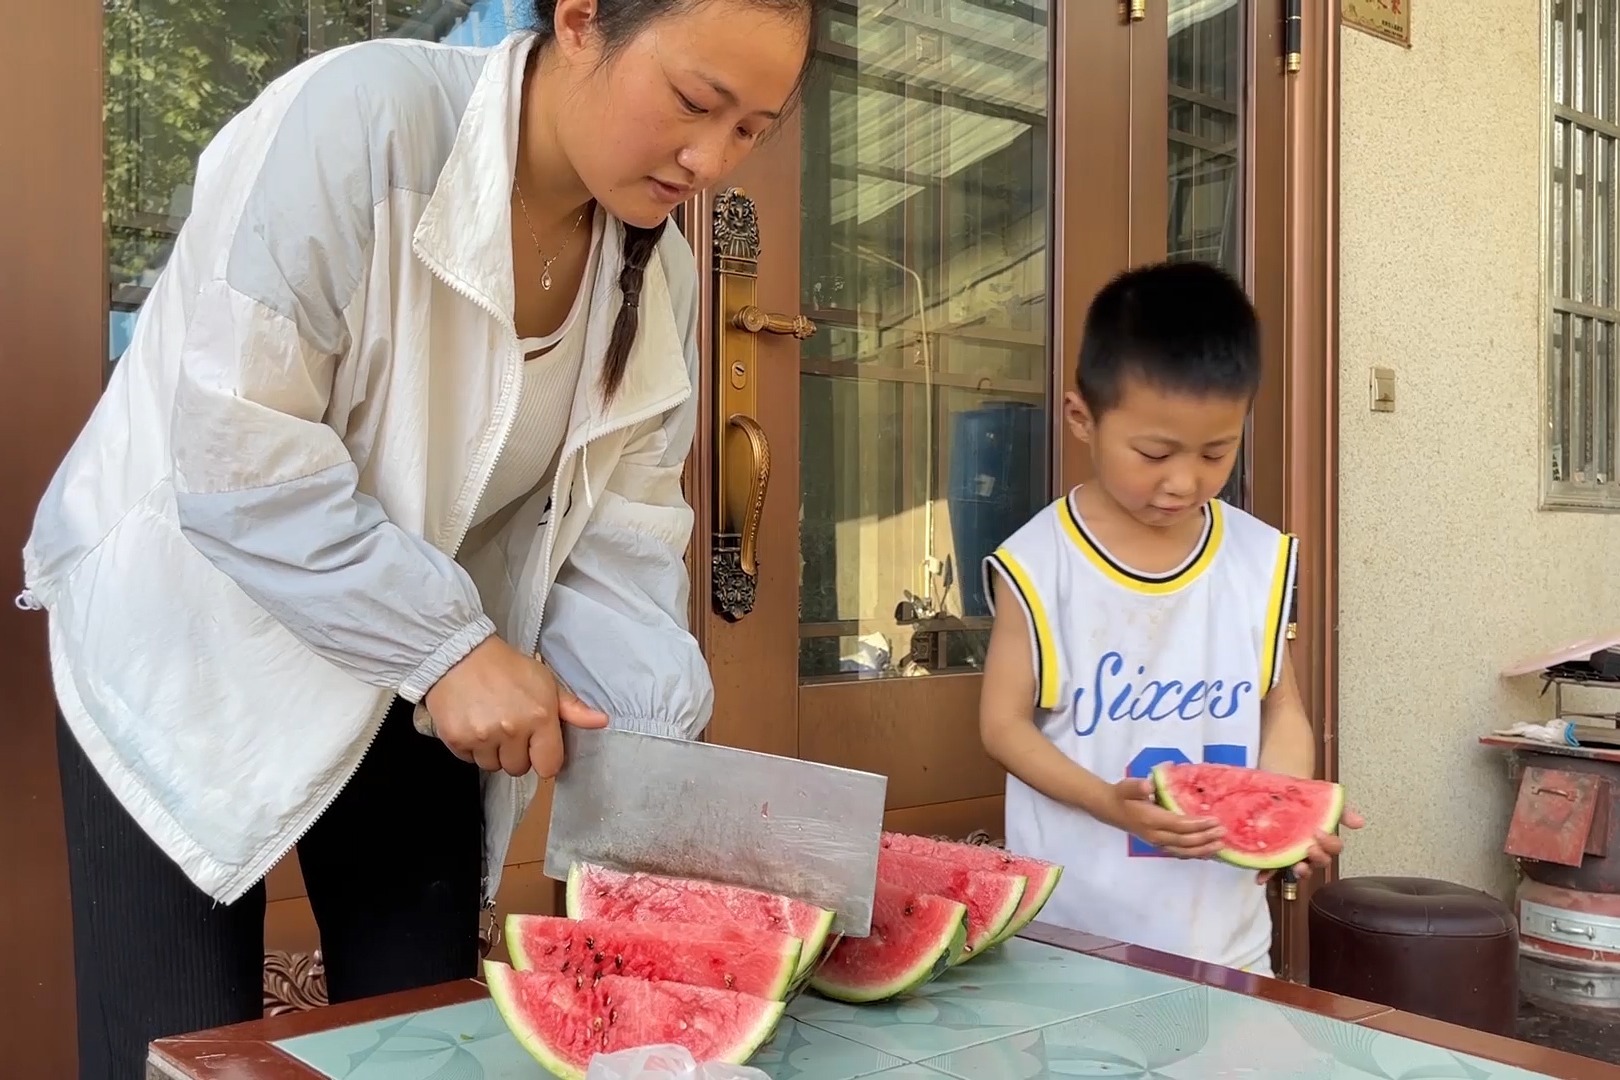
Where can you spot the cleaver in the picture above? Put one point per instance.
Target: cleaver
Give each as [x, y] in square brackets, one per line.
[660, 805]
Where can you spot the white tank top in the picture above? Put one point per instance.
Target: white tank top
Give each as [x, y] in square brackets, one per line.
[551, 370]
[1134, 669]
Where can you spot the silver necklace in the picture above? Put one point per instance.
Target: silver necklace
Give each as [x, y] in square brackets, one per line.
[545, 267]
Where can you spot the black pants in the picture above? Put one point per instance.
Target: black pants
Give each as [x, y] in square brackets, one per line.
[393, 870]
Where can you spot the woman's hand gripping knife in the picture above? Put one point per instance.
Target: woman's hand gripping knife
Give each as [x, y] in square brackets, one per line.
[1007, 729]
[503, 710]
[1288, 746]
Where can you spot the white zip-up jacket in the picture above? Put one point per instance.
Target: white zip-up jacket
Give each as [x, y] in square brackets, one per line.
[256, 541]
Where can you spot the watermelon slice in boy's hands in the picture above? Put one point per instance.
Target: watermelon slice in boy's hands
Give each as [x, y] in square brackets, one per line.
[1270, 821]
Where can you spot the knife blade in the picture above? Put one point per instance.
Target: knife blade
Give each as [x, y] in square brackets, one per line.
[650, 803]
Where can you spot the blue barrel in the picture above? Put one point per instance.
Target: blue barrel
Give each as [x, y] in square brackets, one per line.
[997, 482]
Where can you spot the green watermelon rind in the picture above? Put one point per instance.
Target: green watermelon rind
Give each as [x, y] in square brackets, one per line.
[511, 930]
[930, 967]
[810, 949]
[1037, 891]
[1030, 910]
[811, 953]
[790, 960]
[1000, 921]
[958, 949]
[1275, 861]
[498, 976]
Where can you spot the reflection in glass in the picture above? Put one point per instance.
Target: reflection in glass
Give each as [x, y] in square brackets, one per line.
[923, 410]
[177, 70]
[1206, 71]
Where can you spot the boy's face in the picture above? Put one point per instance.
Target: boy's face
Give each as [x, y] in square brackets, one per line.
[1159, 454]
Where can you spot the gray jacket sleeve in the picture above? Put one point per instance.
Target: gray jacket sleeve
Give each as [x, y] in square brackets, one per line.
[616, 623]
[265, 489]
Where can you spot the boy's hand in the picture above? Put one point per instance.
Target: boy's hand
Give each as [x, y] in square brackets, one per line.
[1131, 807]
[1322, 851]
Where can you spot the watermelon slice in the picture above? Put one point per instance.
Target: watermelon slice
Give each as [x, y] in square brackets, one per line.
[915, 937]
[991, 896]
[1043, 876]
[564, 1020]
[757, 962]
[595, 892]
[1270, 820]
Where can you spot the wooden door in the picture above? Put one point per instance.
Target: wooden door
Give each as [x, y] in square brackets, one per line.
[896, 288]
[903, 216]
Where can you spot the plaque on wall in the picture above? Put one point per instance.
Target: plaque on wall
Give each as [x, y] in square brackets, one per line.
[1390, 20]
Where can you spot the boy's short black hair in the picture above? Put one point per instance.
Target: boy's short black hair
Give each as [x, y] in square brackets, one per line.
[1185, 327]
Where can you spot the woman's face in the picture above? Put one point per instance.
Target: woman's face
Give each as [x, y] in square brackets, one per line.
[680, 104]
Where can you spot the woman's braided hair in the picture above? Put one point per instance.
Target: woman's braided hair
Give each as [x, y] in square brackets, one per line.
[618, 21]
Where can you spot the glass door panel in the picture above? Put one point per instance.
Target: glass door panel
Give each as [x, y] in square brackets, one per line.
[1206, 74]
[177, 70]
[924, 396]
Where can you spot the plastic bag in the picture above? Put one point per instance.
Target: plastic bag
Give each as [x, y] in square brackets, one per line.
[664, 1063]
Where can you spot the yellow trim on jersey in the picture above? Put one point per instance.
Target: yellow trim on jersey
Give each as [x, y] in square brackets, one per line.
[1282, 591]
[1150, 584]
[1046, 663]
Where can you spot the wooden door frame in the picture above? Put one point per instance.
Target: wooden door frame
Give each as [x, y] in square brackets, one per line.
[1310, 329]
[53, 347]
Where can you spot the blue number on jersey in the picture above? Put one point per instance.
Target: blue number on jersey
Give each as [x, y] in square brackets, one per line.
[1142, 766]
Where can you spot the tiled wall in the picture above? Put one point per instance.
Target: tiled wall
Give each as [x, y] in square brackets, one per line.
[1447, 569]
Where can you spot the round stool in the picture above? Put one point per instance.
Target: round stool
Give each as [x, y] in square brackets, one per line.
[1423, 946]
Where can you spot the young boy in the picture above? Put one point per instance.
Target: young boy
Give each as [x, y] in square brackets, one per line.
[1141, 620]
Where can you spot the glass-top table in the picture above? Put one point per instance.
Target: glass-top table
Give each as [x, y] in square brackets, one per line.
[1048, 1004]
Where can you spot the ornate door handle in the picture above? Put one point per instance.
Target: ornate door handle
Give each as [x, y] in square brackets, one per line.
[748, 473]
[742, 453]
[753, 320]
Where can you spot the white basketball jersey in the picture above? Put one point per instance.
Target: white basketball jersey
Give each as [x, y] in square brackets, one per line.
[1134, 669]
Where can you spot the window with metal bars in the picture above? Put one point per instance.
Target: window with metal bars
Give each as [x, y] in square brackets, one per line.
[1581, 391]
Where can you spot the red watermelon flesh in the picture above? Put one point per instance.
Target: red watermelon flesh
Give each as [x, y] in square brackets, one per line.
[1270, 819]
[757, 962]
[595, 892]
[991, 896]
[915, 937]
[565, 1020]
[1043, 876]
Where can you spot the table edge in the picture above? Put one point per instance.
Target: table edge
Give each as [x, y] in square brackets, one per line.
[172, 1051]
[1501, 1049]
[273, 1029]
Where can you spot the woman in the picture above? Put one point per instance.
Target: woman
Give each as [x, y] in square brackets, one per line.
[408, 406]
